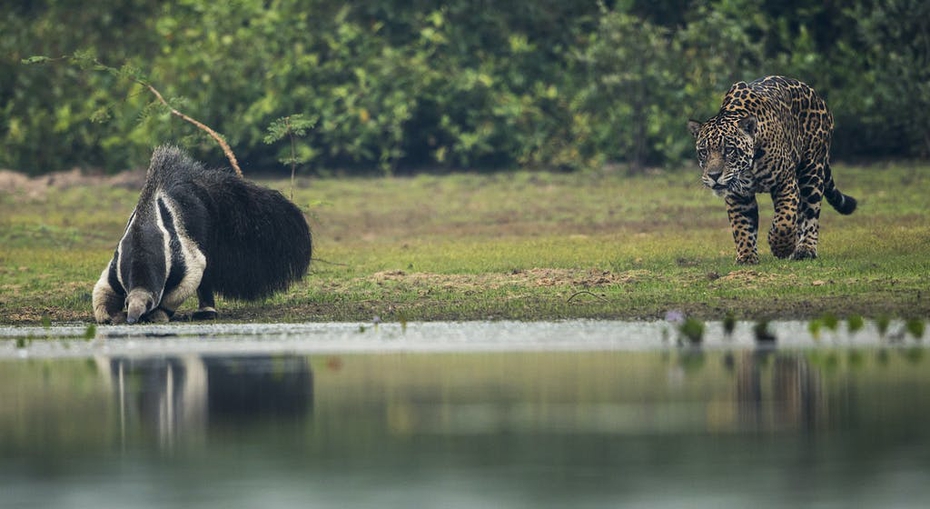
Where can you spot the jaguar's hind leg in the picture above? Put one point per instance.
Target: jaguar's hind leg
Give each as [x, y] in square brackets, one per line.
[810, 183]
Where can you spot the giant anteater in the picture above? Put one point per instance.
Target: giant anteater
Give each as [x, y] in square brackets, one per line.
[200, 229]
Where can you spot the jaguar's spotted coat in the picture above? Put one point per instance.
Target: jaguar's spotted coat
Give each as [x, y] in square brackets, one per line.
[771, 136]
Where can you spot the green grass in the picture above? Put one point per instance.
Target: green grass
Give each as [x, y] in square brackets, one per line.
[512, 246]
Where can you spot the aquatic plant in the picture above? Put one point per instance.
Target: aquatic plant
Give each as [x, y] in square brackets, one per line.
[882, 323]
[689, 329]
[761, 332]
[915, 327]
[729, 324]
[813, 327]
[830, 321]
[692, 329]
[854, 324]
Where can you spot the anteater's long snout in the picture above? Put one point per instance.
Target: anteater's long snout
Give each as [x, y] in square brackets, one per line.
[138, 303]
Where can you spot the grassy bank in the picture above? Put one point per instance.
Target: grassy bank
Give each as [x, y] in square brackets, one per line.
[510, 246]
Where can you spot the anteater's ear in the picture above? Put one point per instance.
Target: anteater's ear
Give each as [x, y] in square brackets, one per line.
[748, 125]
[695, 127]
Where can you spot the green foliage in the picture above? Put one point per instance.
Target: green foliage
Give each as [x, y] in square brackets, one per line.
[915, 327]
[729, 324]
[886, 90]
[854, 324]
[830, 321]
[813, 327]
[397, 84]
[882, 323]
[692, 330]
[292, 127]
[630, 73]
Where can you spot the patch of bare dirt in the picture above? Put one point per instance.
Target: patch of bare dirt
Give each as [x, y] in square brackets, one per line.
[36, 187]
[752, 279]
[584, 278]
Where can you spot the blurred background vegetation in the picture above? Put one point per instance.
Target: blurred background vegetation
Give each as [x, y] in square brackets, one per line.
[396, 86]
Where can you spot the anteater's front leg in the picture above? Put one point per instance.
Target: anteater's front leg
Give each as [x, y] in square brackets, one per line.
[743, 212]
[108, 302]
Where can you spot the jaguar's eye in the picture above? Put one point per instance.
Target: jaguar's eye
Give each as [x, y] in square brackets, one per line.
[702, 153]
[728, 151]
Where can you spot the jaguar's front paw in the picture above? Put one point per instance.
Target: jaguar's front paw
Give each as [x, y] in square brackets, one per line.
[803, 254]
[748, 259]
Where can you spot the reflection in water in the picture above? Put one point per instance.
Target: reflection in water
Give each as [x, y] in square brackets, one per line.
[178, 397]
[831, 428]
[780, 392]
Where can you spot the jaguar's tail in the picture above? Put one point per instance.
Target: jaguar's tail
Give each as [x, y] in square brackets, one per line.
[844, 204]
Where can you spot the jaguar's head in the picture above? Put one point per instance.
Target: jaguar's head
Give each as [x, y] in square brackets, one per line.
[725, 147]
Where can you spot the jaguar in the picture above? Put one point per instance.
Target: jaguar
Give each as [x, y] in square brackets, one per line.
[771, 135]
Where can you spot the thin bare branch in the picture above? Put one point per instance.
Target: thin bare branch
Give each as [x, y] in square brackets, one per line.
[200, 125]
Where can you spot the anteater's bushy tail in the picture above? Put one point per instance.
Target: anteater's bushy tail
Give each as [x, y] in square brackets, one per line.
[261, 241]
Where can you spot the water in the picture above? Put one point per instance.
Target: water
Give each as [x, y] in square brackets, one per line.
[502, 414]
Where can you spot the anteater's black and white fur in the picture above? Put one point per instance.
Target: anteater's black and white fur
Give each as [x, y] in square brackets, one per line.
[200, 230]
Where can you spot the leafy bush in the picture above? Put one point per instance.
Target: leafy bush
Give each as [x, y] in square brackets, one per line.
[398, 85]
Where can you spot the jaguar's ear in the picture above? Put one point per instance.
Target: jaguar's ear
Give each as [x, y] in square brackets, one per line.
[695, 127]
[748, 125]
